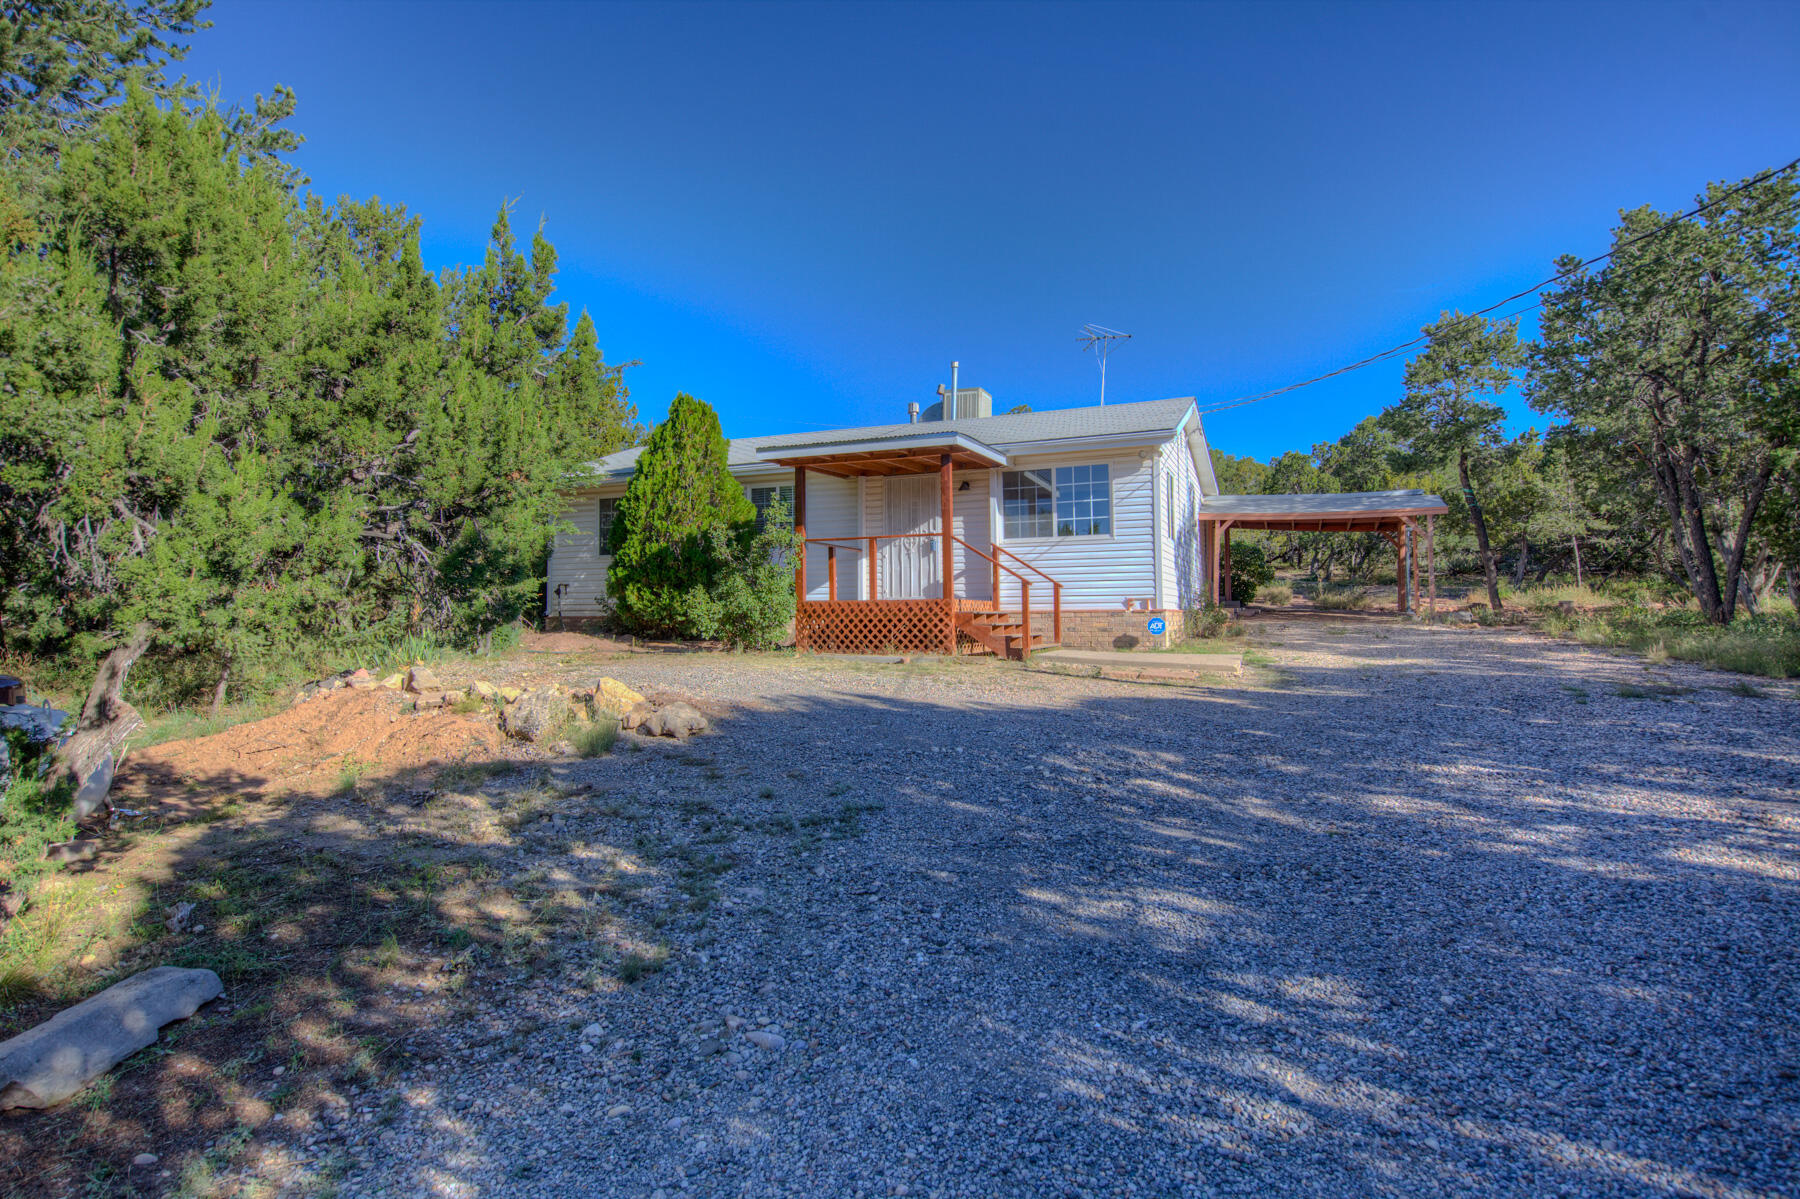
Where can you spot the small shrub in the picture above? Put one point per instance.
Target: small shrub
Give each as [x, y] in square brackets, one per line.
[1206, 623]
[634, 966]
[1276, 595]
[1342, 598]
[592, 739]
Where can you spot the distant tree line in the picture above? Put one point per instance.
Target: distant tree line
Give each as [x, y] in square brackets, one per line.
[239, 415]
[1671, 375]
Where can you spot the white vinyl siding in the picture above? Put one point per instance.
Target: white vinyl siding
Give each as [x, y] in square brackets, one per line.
[830, 512]
[1178, 552]
[1095, 571]
[578, 560]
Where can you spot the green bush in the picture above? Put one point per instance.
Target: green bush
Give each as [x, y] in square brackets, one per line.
[1250, 570]
[665, 553]
[750, 603]
[1276, 595]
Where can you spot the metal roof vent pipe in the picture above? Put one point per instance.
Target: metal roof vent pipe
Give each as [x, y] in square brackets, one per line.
[912, 412]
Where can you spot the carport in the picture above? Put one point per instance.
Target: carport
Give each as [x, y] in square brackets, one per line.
[1395, 515]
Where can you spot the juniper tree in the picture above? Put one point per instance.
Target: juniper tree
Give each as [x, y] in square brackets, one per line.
[680, 494]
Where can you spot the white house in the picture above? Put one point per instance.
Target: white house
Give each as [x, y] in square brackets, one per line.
[1096, 510]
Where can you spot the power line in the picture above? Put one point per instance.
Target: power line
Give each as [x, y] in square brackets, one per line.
[1394, 351]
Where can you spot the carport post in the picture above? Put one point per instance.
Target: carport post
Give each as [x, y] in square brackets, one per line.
[1400, 571]
[1412, 558]
[1431, 562]
[1225, 566]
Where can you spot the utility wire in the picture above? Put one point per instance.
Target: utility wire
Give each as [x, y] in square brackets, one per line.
[1394, 351]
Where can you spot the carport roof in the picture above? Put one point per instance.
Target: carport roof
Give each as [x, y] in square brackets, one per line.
[1352, 511]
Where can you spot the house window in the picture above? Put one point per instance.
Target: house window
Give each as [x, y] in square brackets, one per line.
[1027, 503]
[764, 499]
[1069, 501]
[608, 510]
[1083, 501]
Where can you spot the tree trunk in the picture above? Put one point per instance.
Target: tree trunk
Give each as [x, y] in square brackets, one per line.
[1703, 574]
[1734, 555]
[219, 692]
[1488, 568]
[1575, 542]
[106, 719]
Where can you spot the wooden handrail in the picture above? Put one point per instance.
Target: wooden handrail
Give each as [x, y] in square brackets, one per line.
[1055, 591]
[867, 543]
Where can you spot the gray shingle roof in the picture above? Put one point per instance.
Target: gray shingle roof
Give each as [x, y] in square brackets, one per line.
[1003, 432]
[1321, 503]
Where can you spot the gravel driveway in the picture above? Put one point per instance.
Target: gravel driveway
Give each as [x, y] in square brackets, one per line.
[1417, 912]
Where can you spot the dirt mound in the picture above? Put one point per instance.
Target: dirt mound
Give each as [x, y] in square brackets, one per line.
[572, 643]
[319, 746]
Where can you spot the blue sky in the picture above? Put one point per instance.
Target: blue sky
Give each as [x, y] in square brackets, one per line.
[803, 213]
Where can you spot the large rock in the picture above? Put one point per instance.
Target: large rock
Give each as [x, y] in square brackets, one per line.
[610, 695]
[536, 714]
[675, 719]
[60, 1056]
[422, 679]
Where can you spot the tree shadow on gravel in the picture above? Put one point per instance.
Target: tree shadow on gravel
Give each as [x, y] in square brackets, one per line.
[357, 932]
[1244, 938]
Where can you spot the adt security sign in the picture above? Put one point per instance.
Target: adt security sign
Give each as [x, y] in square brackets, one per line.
[1157, 626]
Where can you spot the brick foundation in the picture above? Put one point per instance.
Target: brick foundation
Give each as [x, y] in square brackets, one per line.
[1112, 628]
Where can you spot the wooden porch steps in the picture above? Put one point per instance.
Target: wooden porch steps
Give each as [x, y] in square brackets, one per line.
[999, 633]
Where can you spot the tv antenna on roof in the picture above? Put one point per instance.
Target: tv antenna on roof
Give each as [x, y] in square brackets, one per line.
[1100, 339]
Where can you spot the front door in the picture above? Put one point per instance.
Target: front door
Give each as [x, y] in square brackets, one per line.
[911, 567]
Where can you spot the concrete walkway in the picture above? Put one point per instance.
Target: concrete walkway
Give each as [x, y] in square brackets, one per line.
[1158, 666]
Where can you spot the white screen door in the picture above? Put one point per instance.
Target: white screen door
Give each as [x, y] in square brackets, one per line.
[910, 566]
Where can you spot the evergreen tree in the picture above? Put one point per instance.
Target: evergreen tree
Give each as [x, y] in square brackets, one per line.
[1676, 363]
[1447, 413]
[663, 560]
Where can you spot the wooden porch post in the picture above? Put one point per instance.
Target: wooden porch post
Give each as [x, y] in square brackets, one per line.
[947, 503]
[1221, 531]
[831, 573]
[1431, 562]
[1225, 567]
[800, 566]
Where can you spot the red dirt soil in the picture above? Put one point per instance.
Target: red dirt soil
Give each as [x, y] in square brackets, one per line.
[313, 745]
[572, 643]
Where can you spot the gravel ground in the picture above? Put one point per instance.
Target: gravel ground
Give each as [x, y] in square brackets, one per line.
[1418, 911]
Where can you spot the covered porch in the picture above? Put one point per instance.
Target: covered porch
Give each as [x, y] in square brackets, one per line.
[1393, 515]
[901, 590]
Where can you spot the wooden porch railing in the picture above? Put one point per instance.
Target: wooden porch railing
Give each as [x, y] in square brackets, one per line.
[1055, 595]
[868, 545]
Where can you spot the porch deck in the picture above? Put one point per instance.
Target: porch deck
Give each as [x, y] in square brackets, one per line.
[941, 624]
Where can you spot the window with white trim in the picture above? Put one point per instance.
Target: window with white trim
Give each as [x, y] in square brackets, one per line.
[764, 499]
[608, 509]
[1066, 501]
